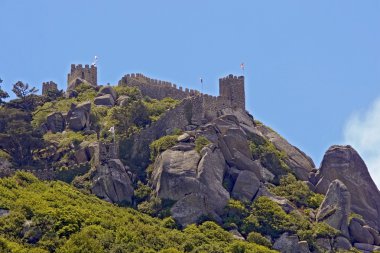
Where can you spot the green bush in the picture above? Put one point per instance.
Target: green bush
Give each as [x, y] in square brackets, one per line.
[268, 218]
[270, 157]
[297, 192]
[71, 221]
[142, 192]
[132, 92]
[157, 107]
[201, 142]
[234, 212]
[258, 239]
[162, 144]
[4, 155]
[316, 230]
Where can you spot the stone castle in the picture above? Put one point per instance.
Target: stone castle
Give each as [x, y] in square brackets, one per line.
[231, 89]
[88, 73]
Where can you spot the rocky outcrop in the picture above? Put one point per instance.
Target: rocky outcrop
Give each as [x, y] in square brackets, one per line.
[55, 122]
[79, 116]
[105, 100]
[194, 181]
[246, 186]
[108, 90]
[76, 82]
[345, 164]
[122, 100]
[335, 208]
[367, 247]
[287, 243]
[298, 161]
[342, 243]
[112, 182]
[360, 234]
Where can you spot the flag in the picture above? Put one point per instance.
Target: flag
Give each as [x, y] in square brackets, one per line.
[201, 79]
[242, 66]
[112, 129]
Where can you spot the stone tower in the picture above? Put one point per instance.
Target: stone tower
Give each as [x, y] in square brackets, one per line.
[231, 88]
[87, 73]
[49, 86]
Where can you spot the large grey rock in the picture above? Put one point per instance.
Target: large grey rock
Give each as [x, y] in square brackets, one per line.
[374, 233]
[55, 122]
[287, 243]
[366, 247]
[246, 186]
[359, 233]
[79, 116]
[303, 247]
[236, 234]
[194, 181]
[297, 160]
[112, 182]
[76, 82]
[242, 162]
[336, 207]
[4, 212]
[345, 164]
[342, 243]
[183, 137]
[108, 90]
[323, 244]
[122, 100]
[105, 100]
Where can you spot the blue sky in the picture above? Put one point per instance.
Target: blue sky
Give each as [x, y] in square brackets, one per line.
[310, 65]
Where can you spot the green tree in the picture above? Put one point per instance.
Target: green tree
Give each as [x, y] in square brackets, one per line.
[3, 94]
[17, 136]
[22, 90]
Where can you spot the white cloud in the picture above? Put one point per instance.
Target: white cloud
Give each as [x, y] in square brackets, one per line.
[362, 131]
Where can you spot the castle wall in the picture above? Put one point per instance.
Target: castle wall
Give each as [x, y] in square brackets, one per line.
[156, 89]
[88, 73]
[48, 86]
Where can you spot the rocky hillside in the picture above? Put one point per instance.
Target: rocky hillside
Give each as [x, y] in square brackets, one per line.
[223, 178]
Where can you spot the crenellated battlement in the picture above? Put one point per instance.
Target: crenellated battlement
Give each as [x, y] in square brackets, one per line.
[49, 86]
[87, 73]
[231, 91]
[156, 88]
[232, 88]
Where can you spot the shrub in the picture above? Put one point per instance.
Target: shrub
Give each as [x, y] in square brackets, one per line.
[200, 143]
[233, 213]
[132, 92]
[269, 155]
[297, 192]
[258, 239]
[142, 192]
[267, 217]
[162, 144]
[4, 155]
[315, 231]
[157, 107]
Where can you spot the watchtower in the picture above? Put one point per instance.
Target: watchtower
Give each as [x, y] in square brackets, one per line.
[49, 86]
[231, 88]
[87, 73]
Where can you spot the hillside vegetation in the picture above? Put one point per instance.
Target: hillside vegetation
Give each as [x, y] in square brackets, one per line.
[56, 217]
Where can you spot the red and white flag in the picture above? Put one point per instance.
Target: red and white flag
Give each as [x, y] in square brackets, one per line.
[242, 66]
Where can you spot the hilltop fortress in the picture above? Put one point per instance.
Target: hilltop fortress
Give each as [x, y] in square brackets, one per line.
[231, 88]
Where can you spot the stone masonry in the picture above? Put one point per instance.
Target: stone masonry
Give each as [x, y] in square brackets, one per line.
[48, 86]
[87, 73]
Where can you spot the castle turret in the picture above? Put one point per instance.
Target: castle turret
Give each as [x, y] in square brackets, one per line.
[49, 87]
[231, 88]
[88, 73]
